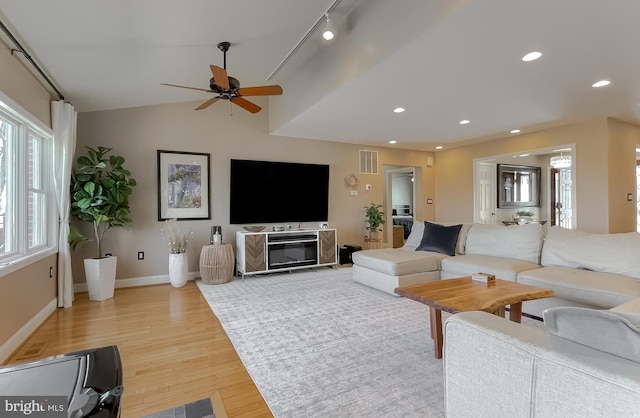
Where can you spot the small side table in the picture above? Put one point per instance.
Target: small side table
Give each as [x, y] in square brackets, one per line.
[371, 244]
[216, 263]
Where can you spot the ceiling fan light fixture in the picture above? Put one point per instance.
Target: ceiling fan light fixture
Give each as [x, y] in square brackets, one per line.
[228, 88]
[329, 31]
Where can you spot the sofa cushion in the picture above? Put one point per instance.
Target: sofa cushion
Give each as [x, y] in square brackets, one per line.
[603, 290]
[520, 242]
[439, 238]
[607, 253]
[503, 268]
[417, 232]
[398, 261]
[630, 310]
[600, 330]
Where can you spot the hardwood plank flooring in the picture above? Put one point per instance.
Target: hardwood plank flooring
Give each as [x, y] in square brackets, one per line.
[173, 348]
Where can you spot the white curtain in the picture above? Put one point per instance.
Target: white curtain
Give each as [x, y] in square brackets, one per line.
[64, 119]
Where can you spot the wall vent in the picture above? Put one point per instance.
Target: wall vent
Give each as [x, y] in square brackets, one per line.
[368, 162]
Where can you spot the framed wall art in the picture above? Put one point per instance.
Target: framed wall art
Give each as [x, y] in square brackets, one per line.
[183, 185]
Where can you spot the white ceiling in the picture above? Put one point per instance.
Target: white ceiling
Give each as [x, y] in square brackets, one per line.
[442, 60]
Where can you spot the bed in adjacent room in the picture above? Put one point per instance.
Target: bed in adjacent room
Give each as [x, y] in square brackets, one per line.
[402, 216]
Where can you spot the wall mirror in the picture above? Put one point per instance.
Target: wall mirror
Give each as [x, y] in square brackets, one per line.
[518, 186]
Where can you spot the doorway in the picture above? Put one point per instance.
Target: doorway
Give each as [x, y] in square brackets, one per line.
[401, 188]
[638, 188]
[560, 197]
[557, 187]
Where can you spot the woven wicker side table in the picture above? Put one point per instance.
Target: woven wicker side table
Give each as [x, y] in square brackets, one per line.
[216, 263]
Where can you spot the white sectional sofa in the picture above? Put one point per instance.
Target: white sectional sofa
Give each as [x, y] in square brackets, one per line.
[495, 368]
[584, 270]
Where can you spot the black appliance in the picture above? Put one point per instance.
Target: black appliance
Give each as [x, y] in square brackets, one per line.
[91, 381]
[346, 253]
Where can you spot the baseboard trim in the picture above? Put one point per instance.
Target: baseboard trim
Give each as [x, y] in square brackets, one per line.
[17, 339]
[136, 281]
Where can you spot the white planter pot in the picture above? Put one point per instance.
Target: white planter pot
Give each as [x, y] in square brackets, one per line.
[101, 277]
[178, 269]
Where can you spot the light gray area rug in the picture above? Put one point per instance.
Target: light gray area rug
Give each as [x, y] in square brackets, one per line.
[318, 344]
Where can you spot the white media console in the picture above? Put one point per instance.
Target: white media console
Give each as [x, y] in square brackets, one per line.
[273, 251]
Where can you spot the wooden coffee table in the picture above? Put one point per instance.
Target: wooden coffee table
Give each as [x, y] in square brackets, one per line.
[464, 294]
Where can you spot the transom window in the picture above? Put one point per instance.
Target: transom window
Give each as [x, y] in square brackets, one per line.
[28, 221]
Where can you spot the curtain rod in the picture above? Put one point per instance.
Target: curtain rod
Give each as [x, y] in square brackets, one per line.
[28, 57]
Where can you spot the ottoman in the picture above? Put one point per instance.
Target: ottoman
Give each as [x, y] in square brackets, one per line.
[386, 269]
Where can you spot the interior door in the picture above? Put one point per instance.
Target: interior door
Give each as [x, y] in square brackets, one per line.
[486, 193]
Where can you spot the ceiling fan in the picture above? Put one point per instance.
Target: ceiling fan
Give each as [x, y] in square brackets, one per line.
[228, 88]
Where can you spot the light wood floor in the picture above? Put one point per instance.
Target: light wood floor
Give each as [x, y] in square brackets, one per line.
[173, 348]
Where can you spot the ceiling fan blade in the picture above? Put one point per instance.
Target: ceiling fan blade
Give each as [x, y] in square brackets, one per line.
[185, 87]
[260, 91]
[220, 76]
[207, 103]
[246, 104]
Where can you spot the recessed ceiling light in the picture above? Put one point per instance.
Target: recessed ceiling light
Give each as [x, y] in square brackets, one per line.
[393, 142]
[515, 131]
[399, 109]
[464, 122]
[532, 56]
[523, 155]
[601, 83]
[439, 147]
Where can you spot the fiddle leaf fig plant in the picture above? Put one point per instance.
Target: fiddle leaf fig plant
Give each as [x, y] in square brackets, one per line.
[100, 190]
[374, 217]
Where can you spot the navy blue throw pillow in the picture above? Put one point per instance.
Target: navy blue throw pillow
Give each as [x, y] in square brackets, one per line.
[439, 238]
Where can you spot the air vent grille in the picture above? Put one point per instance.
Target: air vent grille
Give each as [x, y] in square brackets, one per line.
[368, 162]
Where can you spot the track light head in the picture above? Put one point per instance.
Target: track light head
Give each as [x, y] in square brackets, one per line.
[329, 32]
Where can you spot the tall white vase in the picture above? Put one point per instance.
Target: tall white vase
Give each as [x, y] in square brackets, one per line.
[101, 277]
[178, 269]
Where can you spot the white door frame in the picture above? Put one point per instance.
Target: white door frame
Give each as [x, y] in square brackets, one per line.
[389, 195]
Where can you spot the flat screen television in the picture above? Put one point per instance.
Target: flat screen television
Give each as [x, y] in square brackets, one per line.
[272, 192]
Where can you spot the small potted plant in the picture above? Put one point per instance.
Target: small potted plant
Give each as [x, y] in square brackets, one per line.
[523, 215]
[374, 218]
[100, 190]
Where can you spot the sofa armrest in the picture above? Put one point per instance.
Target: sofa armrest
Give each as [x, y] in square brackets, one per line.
[497, 368]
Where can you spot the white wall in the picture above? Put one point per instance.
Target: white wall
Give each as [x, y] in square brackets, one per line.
[137, 134]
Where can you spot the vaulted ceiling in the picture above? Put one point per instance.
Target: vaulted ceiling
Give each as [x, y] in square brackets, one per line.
[442, 60]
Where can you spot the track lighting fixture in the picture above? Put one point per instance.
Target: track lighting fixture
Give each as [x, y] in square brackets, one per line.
[329, 31]
[325, 25]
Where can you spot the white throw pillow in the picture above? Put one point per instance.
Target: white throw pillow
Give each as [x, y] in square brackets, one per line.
[601, 330]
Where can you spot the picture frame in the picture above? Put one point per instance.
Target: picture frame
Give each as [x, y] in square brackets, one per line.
[183, 185]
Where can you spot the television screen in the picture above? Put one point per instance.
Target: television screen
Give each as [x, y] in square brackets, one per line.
[271, 192]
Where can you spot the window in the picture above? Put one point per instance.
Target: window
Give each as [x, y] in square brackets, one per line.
[28, 220]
